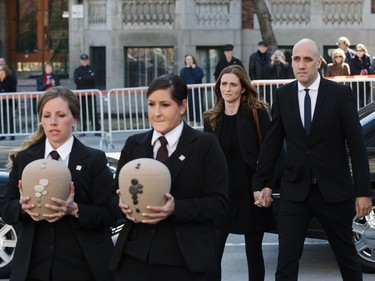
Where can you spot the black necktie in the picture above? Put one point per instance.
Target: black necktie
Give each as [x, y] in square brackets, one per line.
[55, 155]
[307, 112]
[162, 153]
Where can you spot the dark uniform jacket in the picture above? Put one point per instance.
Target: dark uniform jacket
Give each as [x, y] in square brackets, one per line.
[84, 77]
[199, 187]
[223, 63]
[90, 233]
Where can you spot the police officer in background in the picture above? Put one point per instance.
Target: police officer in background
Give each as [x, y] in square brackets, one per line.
[84, 77]
[228, 60]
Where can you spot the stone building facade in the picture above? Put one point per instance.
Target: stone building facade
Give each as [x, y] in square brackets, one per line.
[132, 42]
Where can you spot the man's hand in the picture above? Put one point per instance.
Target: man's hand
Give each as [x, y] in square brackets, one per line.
[363, 206]
[263, 198]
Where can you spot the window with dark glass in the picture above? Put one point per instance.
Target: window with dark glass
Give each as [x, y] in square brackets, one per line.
[142, 65]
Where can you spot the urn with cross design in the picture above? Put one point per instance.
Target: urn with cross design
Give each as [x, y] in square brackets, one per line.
[143, 182]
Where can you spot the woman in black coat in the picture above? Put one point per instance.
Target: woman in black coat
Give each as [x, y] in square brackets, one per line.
[174, 241]
[233, 122]
[74, 242]
[360, 64]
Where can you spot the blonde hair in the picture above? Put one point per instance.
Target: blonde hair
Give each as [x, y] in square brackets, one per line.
[363, 47]
[338, 51]
[39, 136]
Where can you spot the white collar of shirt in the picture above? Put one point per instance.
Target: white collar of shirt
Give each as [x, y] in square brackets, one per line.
[172, 139]
[313, 93]
[64, 150]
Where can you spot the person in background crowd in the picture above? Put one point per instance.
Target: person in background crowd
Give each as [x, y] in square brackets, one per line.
[231, 120]
[279, 68]
[84, 77]
[177, 240]
[344, 44]
[47, 79]
[323, 67]
[193, 74]
[318, 120]
[258, 68]
[227, 60]
[372, 68]
[74, 243]
[338, 67]
[259, 62]
[13, 72]
[8, 84]
[361, 62]
[361, 65]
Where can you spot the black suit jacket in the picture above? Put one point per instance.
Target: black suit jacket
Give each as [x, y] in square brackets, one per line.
[335, 128]
[93, 190]
[199, 187]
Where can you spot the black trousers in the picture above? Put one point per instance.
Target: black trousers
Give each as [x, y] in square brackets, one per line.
[254, 255]
[134, 269]
[336, 220]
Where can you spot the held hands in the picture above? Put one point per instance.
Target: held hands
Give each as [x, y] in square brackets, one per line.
[62, 207]
[263, 198]
[156, 214]
[363, 206]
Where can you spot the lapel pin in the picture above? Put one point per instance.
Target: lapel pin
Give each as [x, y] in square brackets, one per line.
[79, 167]
[182, 157]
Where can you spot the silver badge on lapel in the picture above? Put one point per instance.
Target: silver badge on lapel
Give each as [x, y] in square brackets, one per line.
[182, 157]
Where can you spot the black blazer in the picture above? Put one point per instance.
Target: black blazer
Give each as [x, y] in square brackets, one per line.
[335, 128]
[247, 132]
[92, 182]
[199, 187]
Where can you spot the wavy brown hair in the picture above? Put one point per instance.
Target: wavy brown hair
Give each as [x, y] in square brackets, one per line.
[39, 135]
[249, 97]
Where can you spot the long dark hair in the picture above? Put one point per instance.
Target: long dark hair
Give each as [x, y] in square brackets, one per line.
[249, 97]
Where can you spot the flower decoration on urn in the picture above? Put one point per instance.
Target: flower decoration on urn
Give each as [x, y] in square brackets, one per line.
[43, 179]
[143, 182]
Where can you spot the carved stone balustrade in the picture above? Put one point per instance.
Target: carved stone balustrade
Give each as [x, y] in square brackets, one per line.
[146, 14]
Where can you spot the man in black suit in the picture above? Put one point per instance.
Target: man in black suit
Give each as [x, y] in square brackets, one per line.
[227, 60]
[85, 77]
[317, 181]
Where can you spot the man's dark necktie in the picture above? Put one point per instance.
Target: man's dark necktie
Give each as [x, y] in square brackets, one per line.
[307, 112]
[55, 155]
[162, 153]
